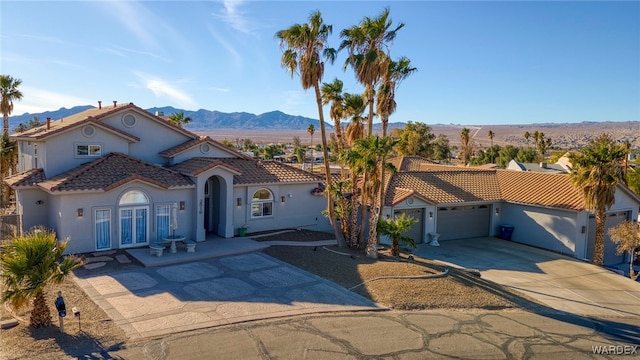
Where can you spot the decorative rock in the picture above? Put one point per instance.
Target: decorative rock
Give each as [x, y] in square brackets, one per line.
[95, 265]
[106, 252]
[8, 324]
[99, 258]
[123, 259]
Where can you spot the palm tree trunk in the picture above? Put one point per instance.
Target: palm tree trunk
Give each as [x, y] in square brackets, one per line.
[598, 252]
[372, 243]
[332, 212]
[40, 314]
[385, 122]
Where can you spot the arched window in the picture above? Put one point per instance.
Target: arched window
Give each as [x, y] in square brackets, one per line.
[133, 197]
[262, 203]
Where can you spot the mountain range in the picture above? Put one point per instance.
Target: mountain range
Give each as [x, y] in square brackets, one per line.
[200, 119]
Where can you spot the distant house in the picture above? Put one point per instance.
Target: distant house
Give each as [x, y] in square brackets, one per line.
[459, 202]
[557, 168]
[113, 177]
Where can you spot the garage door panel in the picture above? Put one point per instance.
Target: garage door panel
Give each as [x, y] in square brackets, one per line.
[463, 222]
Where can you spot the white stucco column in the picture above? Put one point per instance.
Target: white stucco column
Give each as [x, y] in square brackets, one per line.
[201, 234]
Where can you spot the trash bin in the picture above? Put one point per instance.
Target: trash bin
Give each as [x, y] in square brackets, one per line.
[506, 231]
[242, 231]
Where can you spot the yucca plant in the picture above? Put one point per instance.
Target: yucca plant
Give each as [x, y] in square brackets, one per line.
[30, 262]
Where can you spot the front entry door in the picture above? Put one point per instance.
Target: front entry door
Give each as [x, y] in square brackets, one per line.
[134, 226]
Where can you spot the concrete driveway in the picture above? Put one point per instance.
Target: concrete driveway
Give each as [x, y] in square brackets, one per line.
[558, 281]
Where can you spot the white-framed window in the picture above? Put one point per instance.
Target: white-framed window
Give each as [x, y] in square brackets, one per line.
[102, 223]
[134, 218]
[88, 150]
[262, 203]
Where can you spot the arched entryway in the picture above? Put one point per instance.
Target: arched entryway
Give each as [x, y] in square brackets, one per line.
[133, 218]
[215, 205]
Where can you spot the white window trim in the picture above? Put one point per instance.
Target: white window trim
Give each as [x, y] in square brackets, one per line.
[262, 202]
[89, 147]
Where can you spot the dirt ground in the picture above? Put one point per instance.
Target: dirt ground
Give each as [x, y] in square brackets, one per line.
[96, 334]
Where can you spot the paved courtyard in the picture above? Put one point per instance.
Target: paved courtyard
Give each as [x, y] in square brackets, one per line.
[173, 298]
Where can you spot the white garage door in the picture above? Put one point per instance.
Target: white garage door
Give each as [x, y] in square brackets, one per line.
[416, 230]
[613, 219]
[462, 222]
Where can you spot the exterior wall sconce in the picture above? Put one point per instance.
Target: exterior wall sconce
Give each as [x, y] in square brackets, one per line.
[430, 214]
[282, 199]
[497, 211]
[182, 205]
[39, 202]
[239, 201]
[583, 229]
[80, 212]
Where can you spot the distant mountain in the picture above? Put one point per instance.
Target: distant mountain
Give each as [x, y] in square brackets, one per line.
[201, 119]
[55, 115]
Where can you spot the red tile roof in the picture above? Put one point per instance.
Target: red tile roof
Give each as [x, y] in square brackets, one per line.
[195, 142]
[111, 171]
[250, 171]
[453, 184]
[94, 115]
[25, 179]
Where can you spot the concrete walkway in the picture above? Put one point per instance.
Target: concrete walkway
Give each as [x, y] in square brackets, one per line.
[560, 282]
[216, 291]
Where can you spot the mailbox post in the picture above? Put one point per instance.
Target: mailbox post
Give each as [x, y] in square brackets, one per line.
[62, 309]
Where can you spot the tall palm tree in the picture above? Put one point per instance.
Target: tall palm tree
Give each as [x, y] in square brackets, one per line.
[526, 137]
[9, 93]
[466, 145]
[491, 135]
[354, 106]
[29, 263]
[311, 130]
[179, 119]
[332, 94]
[597, 169]
[304, 48]
[371, 151]
[396, 72]
[366, 44]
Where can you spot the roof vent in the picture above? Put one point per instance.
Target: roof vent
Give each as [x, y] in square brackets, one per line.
[115, 103]
[48, 123]
[99, 104]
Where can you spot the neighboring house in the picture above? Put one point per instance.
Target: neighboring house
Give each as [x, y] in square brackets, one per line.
[557, 168]
[113, 177]
[459, 202]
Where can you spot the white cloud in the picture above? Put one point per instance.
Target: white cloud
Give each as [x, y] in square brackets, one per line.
[38, 100]
[162, 88]
[233, 16]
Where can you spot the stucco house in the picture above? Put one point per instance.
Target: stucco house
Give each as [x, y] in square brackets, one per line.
[118, 176]
[459, 202]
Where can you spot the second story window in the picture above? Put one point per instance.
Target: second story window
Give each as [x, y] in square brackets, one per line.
[88, 150]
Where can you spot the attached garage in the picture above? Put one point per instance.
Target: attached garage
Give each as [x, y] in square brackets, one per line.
[613, 219]
[417, 230]
[463, 222]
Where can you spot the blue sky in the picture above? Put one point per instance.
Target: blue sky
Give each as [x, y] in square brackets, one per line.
[479, 63]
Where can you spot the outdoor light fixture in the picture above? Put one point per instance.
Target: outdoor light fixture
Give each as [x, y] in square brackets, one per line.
[584, 229]
[430, 214]
[182, 205]
[282, 198]
[497, 211]
[80, 212]
[39, 202]
[239, 201]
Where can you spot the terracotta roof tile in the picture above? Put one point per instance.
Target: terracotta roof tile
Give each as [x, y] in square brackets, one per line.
[250, 171]
[447, 186]
[25, 179]
[93, 115]
[453, 184]
[111, 171]
[544, 189]
[195, 142]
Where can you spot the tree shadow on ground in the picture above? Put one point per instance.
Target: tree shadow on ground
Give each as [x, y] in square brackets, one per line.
[80, 346]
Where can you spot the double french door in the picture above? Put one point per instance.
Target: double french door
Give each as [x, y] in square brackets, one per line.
[134, 226]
